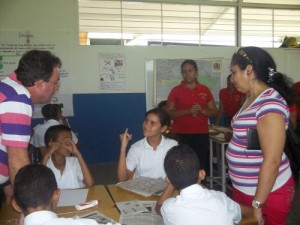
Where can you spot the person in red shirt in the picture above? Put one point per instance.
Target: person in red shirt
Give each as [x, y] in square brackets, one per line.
[190, 104]
[230, 102]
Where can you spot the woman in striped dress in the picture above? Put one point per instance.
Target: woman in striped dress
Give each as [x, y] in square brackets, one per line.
[261, 177]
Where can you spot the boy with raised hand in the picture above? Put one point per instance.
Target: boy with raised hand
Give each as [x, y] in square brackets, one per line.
[195, 205]
[36, 196]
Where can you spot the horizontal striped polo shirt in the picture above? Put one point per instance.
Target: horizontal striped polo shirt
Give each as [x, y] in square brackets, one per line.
[15, 119]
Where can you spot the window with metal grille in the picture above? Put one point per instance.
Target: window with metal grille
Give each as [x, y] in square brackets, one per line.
[268, 27]
[222, 22]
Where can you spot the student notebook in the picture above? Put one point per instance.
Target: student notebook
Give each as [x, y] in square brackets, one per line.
[71, 197]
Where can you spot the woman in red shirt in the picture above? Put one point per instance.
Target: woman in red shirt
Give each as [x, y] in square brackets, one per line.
[190, 104]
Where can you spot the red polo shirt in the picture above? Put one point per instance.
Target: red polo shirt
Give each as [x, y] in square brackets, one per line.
[231, 101]
[184, 98]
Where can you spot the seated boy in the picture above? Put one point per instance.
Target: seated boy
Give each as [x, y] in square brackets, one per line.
[70, 172]
[52, 114]
[195, 204]
[36, 195]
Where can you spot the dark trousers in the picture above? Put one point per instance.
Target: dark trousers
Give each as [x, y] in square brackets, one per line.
[200, 144]
[227, 121]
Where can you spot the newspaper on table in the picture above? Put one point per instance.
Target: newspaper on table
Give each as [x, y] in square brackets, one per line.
[131, 207]
[145, 186]
[99, 217]
[149, 217]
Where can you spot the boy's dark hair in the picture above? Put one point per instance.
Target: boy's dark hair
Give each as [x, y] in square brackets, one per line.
[34, 186]
[36, 65]
[182, 166]
[162, 104]
[53, 132]
[163, 116]
[50, 111]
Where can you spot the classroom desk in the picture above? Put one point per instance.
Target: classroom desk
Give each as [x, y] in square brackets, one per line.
[99, 192]
[221, 144]
[111, 212]
[119, 195]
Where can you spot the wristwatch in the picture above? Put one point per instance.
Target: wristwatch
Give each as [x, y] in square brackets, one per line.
[256, 204]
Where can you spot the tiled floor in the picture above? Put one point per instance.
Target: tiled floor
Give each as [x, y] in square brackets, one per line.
[106, 174]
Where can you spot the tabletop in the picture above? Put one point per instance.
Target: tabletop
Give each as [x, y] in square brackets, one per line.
[119, 195]
[99, 192]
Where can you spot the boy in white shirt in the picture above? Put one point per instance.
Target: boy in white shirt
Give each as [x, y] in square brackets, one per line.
[195, 205]
[52, 114]
[36, 195]
[70, 171]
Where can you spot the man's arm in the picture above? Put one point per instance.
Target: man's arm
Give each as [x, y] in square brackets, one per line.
[17, 158]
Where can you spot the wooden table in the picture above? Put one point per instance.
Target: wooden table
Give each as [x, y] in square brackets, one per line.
[111, 212]
[99, 192]
[248, 221]
[119, 195]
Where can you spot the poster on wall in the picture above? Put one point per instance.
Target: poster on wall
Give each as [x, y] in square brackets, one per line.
[13, 44]
[112, 74]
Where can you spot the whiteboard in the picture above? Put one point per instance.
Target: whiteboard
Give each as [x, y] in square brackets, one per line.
[167, 74]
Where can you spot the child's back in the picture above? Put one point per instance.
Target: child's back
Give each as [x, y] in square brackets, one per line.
[36, 196]
[195, 205]
[198, 206]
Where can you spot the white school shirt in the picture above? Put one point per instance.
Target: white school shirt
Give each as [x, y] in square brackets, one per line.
[50, 218]
[146, 161]
[37, 139]
[198, 206]
[72, 176]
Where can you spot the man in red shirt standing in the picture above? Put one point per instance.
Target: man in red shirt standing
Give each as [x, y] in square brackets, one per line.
[230, 102]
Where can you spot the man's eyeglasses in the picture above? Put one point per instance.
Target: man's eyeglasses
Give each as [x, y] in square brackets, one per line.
[54, 82]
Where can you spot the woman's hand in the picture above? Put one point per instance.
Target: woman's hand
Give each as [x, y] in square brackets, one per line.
[258, 216]
[196, 108]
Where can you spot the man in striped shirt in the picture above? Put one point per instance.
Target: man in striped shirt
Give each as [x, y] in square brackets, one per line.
[34, 82]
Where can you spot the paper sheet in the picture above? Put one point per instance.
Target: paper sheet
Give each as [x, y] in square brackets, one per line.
[145, 186]
[99, 217]
[131, 207]
[145, 218]
[71, 197]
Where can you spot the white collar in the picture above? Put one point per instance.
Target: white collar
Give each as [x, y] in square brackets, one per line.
[39, 217]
